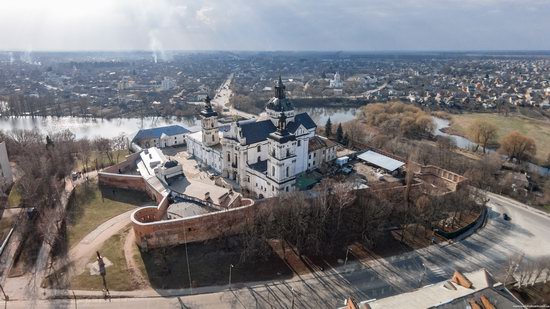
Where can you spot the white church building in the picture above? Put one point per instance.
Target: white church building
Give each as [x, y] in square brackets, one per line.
[262, 156]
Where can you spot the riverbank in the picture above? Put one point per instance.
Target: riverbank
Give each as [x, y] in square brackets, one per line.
[538, 130]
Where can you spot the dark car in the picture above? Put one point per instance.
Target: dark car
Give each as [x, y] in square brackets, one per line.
[506, 217]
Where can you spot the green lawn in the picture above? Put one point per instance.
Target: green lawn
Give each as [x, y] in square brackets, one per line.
[90, 206]
[118, 278]
[15, 196]
[539, 130]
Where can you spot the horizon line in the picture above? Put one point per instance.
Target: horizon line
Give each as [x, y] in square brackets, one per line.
[272, 51]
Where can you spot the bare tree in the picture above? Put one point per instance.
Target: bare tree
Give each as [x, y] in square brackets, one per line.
[482, 133]
[517, 146]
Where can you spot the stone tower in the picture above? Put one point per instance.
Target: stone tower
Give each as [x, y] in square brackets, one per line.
[209, 124]
[281, 162]
[279, 104]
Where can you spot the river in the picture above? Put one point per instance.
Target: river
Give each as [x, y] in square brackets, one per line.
[93, 127]
[465, 143]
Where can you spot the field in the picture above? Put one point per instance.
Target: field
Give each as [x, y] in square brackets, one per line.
[539, 130]
[118, 277]
[14, 199]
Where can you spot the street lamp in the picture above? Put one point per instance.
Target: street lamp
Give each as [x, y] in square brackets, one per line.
[347, 252]
[423, 275]
[230, 267]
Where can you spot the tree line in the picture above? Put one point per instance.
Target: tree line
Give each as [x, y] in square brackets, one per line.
[326, 220]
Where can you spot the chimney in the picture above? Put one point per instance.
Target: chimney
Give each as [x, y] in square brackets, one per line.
[474, 304]
[459, 279]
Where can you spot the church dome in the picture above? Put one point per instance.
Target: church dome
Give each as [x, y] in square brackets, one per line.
[279, 103]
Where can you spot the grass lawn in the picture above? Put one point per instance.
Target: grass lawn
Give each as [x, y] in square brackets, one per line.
[118, 278]
[102, 159]
[539, 130]
[91, 205]
[15, 196]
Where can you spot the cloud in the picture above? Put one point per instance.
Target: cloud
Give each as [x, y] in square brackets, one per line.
[160, 25]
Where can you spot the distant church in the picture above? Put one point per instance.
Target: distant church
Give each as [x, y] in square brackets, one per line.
[263, 156]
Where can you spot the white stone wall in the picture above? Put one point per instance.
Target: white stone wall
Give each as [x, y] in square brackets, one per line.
[174, 140]
[204, 154]
[168, 141]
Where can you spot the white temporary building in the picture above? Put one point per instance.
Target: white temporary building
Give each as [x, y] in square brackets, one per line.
[380, 160]
[342, 160]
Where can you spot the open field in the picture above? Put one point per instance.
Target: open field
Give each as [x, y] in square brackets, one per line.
[91, 205]
[209, 264]
[539, 130]
[14, 199]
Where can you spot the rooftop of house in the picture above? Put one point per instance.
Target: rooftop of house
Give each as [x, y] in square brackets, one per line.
[172, 130]
[318, 142]
[458, 292]
[260, 166]
[258, 131]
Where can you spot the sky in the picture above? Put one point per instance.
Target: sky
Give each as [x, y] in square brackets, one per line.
[355, 25]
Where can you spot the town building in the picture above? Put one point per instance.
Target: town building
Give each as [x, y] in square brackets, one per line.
[167, 84]
[154, 163]
[476, 289]
[161, 137]
[263, 156]
[6, 175]
[336, 82]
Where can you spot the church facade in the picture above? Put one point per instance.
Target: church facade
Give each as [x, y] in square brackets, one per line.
[266, 156]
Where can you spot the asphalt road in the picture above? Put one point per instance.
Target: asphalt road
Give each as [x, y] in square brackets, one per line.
[489, 248]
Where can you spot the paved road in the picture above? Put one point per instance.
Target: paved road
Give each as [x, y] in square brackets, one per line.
[223, 94]
[489, 248]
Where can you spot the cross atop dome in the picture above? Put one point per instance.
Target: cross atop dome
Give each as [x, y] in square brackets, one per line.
[208, 110]
[208, 102]
[280, 89]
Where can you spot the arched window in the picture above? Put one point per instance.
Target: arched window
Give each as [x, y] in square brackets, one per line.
[259, 148]
[259, 158]
[212, 137]
[287, 170]
[273, 171]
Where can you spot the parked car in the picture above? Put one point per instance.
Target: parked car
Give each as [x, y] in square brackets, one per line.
[346, 170]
